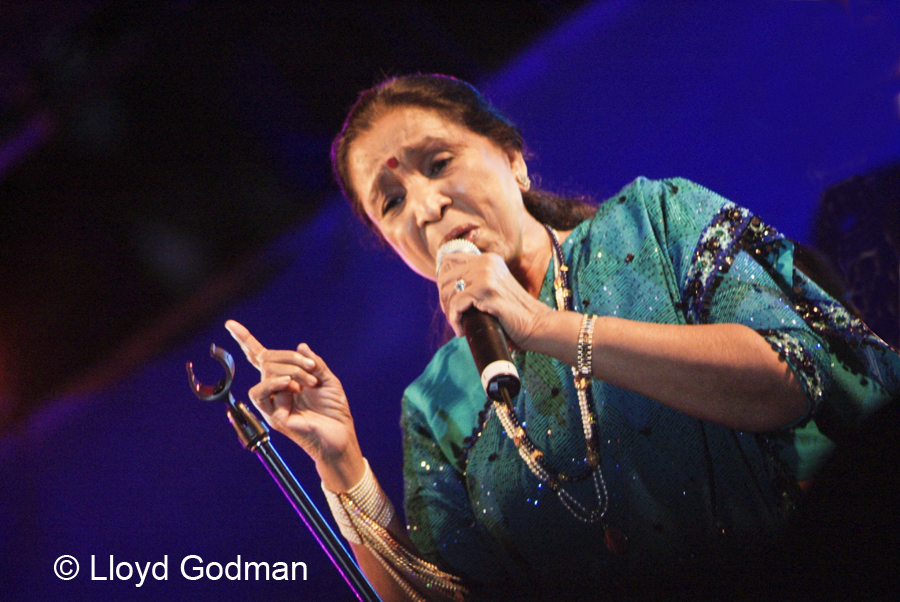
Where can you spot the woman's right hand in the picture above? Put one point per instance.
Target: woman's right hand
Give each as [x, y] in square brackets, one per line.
[300, 397]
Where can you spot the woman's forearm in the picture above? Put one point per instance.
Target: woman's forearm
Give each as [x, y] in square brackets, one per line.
[723, 373]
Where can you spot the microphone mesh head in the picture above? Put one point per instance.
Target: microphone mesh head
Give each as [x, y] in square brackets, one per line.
[457, 245]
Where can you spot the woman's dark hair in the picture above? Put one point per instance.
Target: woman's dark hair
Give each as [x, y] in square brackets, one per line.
[463, 104]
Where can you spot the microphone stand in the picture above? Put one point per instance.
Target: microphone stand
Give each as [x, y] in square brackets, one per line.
[254, 436]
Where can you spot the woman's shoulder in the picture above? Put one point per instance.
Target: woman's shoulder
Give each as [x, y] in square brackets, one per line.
[670, 202]
[650, 195]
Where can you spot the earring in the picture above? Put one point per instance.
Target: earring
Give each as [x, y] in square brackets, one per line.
[524, 181]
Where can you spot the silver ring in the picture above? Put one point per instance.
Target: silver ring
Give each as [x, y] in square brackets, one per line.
[460, 285]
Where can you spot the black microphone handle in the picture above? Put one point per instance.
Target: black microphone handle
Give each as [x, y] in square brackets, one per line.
[487, 342]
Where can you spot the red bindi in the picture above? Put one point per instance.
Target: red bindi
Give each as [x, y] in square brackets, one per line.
[393, 163]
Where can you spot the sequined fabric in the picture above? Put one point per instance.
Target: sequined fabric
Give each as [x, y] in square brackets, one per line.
[683, 491]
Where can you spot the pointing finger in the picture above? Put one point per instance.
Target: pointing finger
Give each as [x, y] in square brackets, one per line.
[252, 348]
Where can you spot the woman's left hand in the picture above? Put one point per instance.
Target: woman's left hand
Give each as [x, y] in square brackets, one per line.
[490, 287]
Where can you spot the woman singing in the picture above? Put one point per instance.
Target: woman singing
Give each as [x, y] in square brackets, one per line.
[676, 371]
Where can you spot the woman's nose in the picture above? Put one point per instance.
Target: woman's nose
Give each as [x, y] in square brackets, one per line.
[430, 206]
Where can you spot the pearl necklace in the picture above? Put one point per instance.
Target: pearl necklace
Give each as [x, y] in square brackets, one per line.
[533, 457]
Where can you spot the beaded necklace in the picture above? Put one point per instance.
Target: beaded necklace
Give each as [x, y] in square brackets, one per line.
[534, 458]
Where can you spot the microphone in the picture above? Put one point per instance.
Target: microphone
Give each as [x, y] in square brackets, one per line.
[486, 338]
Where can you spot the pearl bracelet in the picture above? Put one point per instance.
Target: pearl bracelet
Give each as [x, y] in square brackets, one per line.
[367, 500]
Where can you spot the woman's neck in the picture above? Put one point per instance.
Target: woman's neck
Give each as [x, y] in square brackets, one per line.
[537, 253]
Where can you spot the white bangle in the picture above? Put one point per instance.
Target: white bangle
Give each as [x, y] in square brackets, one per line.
[345, 526]
[368, 501]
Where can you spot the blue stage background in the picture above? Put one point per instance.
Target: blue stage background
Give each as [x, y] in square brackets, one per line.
[767, 103]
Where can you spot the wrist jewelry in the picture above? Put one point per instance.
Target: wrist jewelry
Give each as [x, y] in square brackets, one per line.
[345, 526]
[362, 514]
[584, 371]
[366, 498]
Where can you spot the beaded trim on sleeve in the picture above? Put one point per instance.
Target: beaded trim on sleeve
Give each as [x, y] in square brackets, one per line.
[844, 331]
[733, 229]
[792, 351]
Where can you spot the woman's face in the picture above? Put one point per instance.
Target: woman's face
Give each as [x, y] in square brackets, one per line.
[423, 180]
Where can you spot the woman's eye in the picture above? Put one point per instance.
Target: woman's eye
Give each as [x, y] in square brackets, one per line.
[438, 166]
[391, 202]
